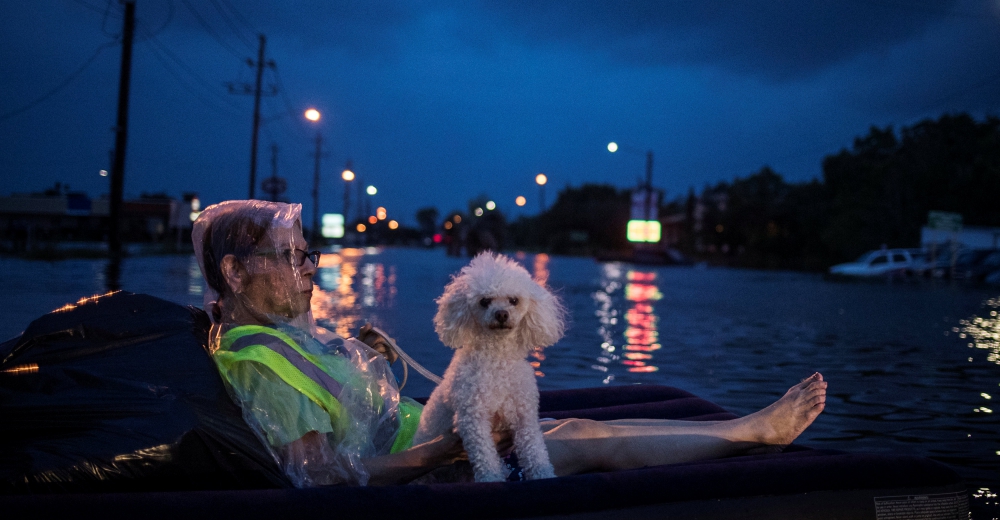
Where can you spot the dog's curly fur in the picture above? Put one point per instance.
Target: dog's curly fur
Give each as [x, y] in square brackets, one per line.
[494, 315]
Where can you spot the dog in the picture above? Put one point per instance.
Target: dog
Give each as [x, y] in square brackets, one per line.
[493, 314]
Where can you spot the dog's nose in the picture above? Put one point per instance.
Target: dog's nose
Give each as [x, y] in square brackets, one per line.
[502, 316]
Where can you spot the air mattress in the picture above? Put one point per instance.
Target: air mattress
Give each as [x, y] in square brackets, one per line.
[112, 406]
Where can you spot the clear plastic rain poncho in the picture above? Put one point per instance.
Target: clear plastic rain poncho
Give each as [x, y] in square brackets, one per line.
[320, 402]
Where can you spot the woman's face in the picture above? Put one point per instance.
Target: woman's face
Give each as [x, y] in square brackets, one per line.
[277, 287]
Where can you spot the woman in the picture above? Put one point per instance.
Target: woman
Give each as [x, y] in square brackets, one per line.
[329, 407]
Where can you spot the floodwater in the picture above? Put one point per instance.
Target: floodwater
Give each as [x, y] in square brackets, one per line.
[913, 368]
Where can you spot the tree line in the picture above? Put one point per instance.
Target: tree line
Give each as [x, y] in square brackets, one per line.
[877, 193]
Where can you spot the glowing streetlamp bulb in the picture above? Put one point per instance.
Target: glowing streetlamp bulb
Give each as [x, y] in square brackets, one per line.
[490, 205]
[103, 173]
[371, 190]
[541, 179]
[348, 175]
[612, 147]
[312, 114]
[393, 224]
[479, 212]
[361, 228]
[380, 213]
[520, 200]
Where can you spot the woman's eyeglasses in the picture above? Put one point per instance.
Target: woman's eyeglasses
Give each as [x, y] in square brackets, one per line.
[296, 257]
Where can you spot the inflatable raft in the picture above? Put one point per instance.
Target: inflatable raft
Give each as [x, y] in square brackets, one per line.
[112, 406]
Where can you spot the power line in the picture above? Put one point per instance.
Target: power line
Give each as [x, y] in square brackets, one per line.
[282, 115]
[212, 33]
[63, 84]
[170, 17]
[89, 6]
[232, 26]
[158, 48]
[291, 110]
[104, 21]
[239, 16]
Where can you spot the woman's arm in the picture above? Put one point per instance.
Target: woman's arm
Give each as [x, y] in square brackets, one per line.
[404, 466]
[313, 454]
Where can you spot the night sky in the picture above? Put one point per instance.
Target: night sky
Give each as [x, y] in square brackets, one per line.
[436, 102]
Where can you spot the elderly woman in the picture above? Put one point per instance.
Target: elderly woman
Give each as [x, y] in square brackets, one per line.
[329, 407]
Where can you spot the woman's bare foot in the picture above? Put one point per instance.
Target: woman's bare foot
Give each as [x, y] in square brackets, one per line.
[783, 421]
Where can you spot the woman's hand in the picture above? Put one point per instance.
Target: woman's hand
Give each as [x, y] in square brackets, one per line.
[370, 336]
[443, 450]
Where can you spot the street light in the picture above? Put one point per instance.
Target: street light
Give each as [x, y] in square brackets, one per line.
[520, 200]
[541, 179]
[371, 191]
[313, 115]
[348, 176]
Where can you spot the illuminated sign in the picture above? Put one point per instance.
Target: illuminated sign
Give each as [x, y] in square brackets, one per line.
[643, 231]
[333, 225]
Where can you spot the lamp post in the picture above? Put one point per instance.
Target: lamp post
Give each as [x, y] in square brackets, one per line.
[313, 115]
[541, 179]
[370, 190]
[348, 176]
[648, 229]
[614, 147]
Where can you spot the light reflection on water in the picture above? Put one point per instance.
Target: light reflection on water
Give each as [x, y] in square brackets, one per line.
[344, 288]
[628, 322]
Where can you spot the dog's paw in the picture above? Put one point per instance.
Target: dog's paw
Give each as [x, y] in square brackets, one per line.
[538, 473]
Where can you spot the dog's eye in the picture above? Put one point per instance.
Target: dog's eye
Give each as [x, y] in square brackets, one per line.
[514, 301]
[485, 302]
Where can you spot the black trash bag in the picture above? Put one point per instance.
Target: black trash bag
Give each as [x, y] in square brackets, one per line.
[118, 393]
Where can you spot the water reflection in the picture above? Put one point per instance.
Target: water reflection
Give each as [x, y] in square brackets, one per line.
[345, 285]
[112, 274]
[195, 287]
[540, 273]
[642, 334]
[985, 334]
[635, 291]
[984, 331]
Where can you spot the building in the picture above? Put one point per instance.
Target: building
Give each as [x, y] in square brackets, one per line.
[56, 216]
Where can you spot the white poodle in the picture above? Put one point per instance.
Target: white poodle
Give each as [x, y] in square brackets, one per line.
[494, 315]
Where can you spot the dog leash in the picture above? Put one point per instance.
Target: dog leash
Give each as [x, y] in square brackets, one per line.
[407, 360]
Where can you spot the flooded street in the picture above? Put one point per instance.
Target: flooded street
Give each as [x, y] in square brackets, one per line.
[913, 368]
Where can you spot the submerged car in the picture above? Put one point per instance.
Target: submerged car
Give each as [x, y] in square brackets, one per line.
[881, 262]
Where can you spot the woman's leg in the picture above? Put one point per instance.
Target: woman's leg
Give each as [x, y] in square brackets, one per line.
[581, 445]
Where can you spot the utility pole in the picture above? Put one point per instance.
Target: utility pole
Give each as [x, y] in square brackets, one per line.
[121, 134]
[257, 90]
[274, 172]
[314, 233]
[649, 182]
[347, 192]
[256, 116]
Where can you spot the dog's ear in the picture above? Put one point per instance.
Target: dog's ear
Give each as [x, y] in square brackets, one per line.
[545, 322]
[454, 319]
